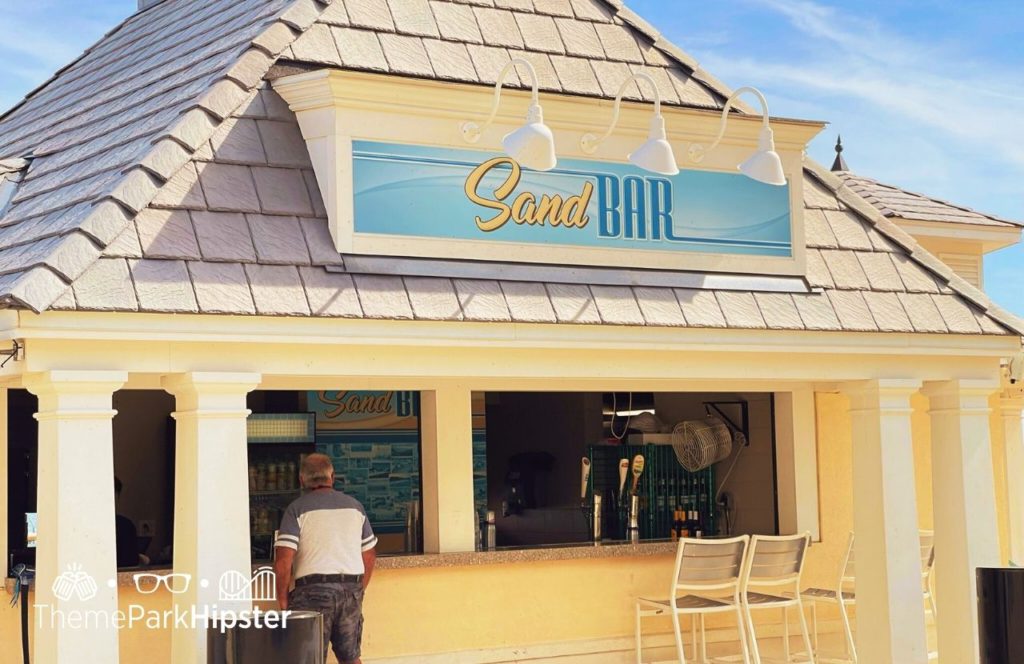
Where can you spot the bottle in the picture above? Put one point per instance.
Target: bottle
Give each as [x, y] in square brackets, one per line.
[698, 530]
[492, 531]
[479, 535]
[677, 524]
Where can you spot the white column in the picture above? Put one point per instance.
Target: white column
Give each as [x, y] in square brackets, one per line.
[446, 425]
[1010, 410]
[797, 462]
[966, 535]
[211, 494]
[76, 559]
[890, 603]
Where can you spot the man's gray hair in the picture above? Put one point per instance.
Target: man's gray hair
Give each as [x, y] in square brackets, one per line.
[317, 470]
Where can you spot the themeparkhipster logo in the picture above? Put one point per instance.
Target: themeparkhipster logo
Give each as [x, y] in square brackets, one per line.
[76, 586]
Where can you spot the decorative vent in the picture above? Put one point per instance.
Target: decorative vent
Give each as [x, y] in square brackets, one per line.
[967, 266]
[282, 428]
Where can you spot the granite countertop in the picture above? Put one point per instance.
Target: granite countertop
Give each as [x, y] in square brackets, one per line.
[580, 551]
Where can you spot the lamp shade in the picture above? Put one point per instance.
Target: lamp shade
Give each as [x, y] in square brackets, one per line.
[765, 164]
[656, 153]
[533, 144]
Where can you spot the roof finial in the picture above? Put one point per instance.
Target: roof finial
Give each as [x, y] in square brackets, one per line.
[839, 164]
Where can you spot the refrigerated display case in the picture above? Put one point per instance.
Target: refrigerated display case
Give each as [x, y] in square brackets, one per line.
[277, 444]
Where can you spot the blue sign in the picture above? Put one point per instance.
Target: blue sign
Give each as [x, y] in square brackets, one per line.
[447, 194]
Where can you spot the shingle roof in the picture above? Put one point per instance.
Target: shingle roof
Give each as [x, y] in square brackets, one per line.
[897, 203]
[167, 177]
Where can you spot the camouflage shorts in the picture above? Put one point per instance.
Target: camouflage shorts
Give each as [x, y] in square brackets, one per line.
[341, 605]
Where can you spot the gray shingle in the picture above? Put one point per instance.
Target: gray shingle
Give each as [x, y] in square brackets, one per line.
[489, 62]
[528, 302]
[433, 298]
[659, 306]
[450, 60]
[611, 76]
[278, 240]
[617, 305]
[413, 17]
[360, 49]
[182, 190]
[106, 286]
[816, 312]
[852, 311]
[317, 45]
[166, 234]
[880, 270]
[277, 290]
[817, 196]
[517, 5]
[666, 87]
[848, 229]
[406, 55]
[915, 278]
[335, 14]
[223, 236]
[740, 309]
[547, 79]
[314, 194]
[845, 269]
[456, 22]
[284, 143]
[888, 312]
[319, 242]
[539, 33]
[482, 300]
[498, 27]
[817, 275]
[228, 187]
[281, 191]
[330, 294]
[959, 317]
[372, 14]
[163, 285]
[818, 231]
[591, 10]
[125, 245]
[923, 313]
[573, 303]
[700, 308]
[221, 288]
[238, 140]
[619, 42]
[779, 311]
[553, 7]
[580, 38]
[382, 297]
[576, 75]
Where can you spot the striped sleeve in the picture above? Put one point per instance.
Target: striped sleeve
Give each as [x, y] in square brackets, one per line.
[288, 532]
[369, 539]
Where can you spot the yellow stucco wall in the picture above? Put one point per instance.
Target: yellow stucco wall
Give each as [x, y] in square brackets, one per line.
[437, 610]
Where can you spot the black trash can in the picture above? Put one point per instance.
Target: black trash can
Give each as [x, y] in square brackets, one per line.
[301, 641]
[1001, 614]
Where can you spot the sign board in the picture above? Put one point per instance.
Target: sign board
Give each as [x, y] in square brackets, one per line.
[415, 200]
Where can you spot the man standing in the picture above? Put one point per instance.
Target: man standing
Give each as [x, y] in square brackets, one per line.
[326, 536]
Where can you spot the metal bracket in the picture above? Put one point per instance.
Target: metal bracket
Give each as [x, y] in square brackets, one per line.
[743, 427]
[12, 353]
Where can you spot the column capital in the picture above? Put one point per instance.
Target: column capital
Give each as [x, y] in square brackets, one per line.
[70, 381]
[219, 382]
[961, 395]
[888, 394]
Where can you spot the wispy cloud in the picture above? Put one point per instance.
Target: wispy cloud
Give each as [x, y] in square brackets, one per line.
[972, 103]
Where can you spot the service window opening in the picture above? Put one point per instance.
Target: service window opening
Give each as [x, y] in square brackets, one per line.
[698, 464]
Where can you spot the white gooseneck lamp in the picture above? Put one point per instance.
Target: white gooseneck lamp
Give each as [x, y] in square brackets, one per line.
[656, 153]
[533, 144]
[764, 165]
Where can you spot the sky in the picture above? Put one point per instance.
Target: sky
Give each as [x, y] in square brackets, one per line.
[927, 95]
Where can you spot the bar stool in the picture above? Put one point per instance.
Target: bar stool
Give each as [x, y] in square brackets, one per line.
[773, 567]
[705, 579]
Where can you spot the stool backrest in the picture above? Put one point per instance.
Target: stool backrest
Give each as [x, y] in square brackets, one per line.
[706, 564]
[847, 566]
[776, 560]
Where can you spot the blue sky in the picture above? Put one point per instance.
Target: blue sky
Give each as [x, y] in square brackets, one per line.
[927, 95]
